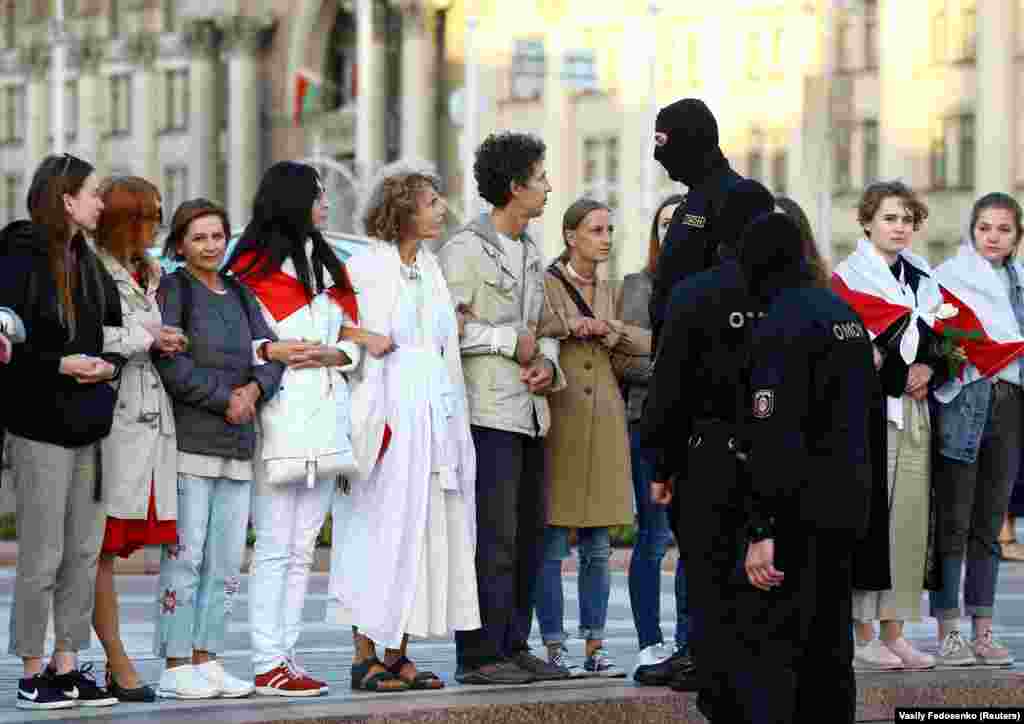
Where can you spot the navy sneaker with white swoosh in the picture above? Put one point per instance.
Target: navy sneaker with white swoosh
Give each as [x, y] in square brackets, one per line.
[42, 692]
[80, 685]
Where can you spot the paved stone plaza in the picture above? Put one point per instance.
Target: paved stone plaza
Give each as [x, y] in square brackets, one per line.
[326, 651]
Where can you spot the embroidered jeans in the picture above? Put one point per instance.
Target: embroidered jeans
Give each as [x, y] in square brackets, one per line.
[199, 576]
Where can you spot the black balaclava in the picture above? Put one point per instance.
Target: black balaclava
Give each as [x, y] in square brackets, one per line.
[772, 256]
[747, 200]
[692, 150]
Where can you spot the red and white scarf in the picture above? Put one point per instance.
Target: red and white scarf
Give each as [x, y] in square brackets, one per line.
[970, 283]
[283, 294]
[865, 282]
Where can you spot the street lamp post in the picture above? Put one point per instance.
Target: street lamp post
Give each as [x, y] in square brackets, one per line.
[57, 74]
[652, 103]
[471, 121]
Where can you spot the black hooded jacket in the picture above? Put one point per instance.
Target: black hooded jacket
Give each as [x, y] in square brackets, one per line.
[691, 156]
[56, 409]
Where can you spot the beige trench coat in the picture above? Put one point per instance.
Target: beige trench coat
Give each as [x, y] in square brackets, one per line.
[142, 445]
[591, 483]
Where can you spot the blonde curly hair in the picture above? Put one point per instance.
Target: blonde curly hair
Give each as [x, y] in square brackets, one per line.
[393, 198]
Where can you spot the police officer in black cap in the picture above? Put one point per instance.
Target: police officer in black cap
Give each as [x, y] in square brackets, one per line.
[686, 144]
[689, 424]
[813, 389]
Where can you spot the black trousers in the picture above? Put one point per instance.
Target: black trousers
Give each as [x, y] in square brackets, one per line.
[511, 513]
[790, 650]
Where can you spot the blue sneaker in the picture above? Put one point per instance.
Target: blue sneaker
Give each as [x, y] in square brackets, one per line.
[42, 692]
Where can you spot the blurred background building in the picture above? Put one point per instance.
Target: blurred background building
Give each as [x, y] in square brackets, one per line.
[814, 98]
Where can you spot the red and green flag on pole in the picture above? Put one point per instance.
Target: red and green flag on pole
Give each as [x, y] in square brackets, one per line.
[308, 87]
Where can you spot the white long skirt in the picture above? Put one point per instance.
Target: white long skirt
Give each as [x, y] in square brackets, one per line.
[403, 560]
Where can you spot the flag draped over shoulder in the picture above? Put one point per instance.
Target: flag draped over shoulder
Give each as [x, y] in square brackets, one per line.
[283, 294]
[992, 336]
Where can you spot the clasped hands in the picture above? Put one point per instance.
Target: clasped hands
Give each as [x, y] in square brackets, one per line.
[535, 370]
[588, 327]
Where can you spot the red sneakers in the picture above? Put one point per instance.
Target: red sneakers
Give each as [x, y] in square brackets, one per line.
[289, 679]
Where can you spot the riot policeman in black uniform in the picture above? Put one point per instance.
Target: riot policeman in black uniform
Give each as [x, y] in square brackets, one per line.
[689, 424]
[808, 436]
[686, 144]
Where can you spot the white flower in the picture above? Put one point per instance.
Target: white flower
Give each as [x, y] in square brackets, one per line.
[946, 311]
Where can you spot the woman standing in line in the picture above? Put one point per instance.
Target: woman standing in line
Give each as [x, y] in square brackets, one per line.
[218, 384]
[140, 455]
[51, 279]
[588, 446]
[893, 292]
[305, 297]
[980, 418]
[656, 664]
[403, 564]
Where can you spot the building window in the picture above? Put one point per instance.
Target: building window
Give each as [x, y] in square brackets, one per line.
[968, 31]
[938, 156]
[579, 70]
[842, 42]
[175, 189]
[528, 68]
[12, 195]
[12, 130]
[114, 19]
[777, 46]
[870, 140]
[9, 18]
[591, 148]
[966, 151]
[176, 84]
[938, 32]
[612, 172]
[780, 168]
[843, 180]
[170, 12]
[71, 118]
[754, 67]
[601, 170]
[692, 60]
[871, 34]
[120, 105]
[755, 155]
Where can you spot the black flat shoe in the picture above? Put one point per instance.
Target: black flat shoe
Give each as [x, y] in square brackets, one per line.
[140, 695]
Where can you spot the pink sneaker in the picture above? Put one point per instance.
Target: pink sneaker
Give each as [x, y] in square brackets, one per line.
[912, 659]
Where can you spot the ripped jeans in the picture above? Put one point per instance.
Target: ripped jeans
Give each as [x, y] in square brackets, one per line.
[200, 575]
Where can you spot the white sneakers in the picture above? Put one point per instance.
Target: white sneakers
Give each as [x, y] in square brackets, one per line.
[230, 687]
[205, 681]
[875, 656]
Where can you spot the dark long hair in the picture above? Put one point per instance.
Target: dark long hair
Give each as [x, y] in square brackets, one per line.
[281, 223]
[55, 177]
[653, 244]
[817, 265]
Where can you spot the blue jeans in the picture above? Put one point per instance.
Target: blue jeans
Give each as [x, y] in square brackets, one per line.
[653, 535]
[594, 548]
[199, 576]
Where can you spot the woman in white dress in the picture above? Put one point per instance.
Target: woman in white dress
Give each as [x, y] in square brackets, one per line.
[404, 535]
